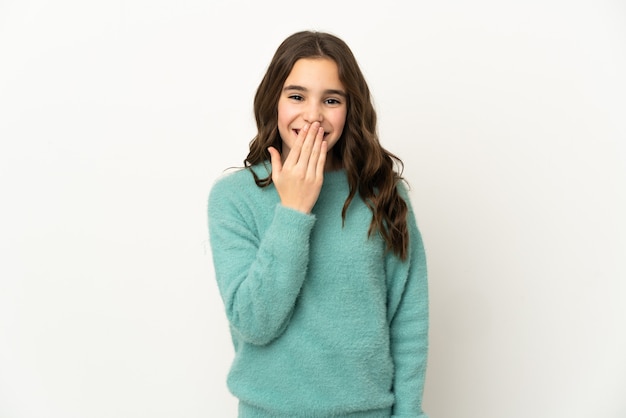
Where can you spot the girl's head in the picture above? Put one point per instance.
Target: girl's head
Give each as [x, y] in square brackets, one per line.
[352, 98]
[314, 75]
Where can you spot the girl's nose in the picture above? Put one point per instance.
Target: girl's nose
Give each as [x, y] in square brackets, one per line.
[313, 114]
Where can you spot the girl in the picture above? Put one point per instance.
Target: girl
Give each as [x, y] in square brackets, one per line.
[316, 252]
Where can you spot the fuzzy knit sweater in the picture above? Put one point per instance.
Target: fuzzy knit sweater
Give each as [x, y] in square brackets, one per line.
[324, 322]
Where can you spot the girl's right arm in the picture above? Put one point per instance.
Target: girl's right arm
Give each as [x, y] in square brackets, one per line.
[259, 277]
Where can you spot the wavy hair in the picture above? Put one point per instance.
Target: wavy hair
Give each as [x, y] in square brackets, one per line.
[371, 170]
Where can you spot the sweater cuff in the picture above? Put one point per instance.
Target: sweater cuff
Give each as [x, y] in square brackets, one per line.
[292, 219]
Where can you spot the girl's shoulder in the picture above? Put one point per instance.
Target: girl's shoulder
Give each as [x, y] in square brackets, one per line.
[230, 176]
[404, 190]
[238, 183]
[240, 176]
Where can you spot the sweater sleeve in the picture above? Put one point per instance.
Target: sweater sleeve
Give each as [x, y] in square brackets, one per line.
[259, 277]
[408, 304]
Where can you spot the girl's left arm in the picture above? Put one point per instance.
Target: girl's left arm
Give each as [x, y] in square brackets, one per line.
[409, 319]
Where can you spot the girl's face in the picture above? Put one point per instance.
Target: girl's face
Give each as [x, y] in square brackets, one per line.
[312, 93]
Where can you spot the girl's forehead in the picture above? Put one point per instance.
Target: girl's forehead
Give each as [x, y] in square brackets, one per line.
[314, 70]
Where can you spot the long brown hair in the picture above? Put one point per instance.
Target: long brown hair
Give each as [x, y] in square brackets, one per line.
[370, 168]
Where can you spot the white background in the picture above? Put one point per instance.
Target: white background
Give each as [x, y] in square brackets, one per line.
[117, 116]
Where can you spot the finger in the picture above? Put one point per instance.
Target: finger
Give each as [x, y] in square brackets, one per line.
[309, 142]
[275, 160]
[321, 161]
[315, 152]
[294, 152]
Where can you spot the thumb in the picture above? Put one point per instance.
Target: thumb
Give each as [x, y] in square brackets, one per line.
[275, 159]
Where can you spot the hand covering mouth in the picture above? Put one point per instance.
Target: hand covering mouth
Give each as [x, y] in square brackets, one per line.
[297, 132]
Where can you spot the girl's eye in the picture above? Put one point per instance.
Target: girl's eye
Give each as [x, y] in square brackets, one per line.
[296, 97]
[332, 101]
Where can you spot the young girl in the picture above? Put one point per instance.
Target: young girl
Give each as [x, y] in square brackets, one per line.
[316, 252]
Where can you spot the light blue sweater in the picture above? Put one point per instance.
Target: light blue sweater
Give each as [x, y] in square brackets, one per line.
[324, 323]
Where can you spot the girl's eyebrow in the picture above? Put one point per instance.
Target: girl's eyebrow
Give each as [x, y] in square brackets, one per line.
[304, 90]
